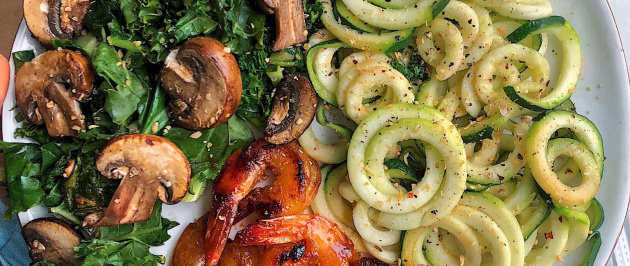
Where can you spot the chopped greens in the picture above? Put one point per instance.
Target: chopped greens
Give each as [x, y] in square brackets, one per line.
[127, 244]
[127, 42]
[413, 69]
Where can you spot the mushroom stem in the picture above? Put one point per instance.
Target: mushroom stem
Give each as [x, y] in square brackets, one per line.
[290, 23]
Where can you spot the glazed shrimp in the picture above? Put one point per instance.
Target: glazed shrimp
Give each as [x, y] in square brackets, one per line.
[234, 195]
[324, 242]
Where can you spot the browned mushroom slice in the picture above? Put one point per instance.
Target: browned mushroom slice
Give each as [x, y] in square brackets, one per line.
[294, 105]
[204, 82]
[49, 19]
[149, 167]
[49, 88]
[50, 239]
[290, 23]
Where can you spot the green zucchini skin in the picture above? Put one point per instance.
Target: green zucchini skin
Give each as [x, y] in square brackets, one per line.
[534, 26]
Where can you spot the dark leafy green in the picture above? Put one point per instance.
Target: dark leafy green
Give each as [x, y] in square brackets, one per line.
[152, 232]
[313, 10]
[157, 113]
[22, 57]
[23, 163]
[414, 70]
[127, 42]
[125, 89]
[128, 244]
[207, 153]
[98, 252]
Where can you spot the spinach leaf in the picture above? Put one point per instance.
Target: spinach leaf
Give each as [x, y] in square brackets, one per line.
[195, 22]
[98, 252]
[125, 90]
[23, 164]
[204, 152]
[86, 44]
[157, 113]
[128, 244]
[207, 153]
[21, 57]
[152, 232]
[242, 25]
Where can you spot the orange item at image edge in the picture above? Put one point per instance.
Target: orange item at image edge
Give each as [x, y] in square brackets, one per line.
[5, 72]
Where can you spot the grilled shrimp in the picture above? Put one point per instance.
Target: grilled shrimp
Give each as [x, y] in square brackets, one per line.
[324, 243]
[234, 196]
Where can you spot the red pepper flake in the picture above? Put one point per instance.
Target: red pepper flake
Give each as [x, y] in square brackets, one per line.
[330, 74]
[383, 70]
[501, 177]
[150, 142]
[355, 61]
[560, 218]
[507, 66]
[490, 80]
[80, 201]
[409, 195]
[568, 171]
[573, 116]
[549, 235]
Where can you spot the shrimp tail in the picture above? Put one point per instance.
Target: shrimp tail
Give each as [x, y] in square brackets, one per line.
[220, 223]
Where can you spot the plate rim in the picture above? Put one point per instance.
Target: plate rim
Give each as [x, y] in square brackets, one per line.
[23, 29]
[625, 63]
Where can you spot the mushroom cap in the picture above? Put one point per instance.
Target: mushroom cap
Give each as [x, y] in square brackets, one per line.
[49, 88]
[204, 82]
[150, 167]
[293, 109]
[49, 19]
[50, 239]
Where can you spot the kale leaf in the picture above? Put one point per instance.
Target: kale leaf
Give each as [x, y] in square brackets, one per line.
[414, 69]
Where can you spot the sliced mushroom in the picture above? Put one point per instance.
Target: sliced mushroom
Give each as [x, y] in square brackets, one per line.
[49, 88]
[290, 23]
[149, 167]
[49, 19]
[294, 105]
[50, 239]
[204, 82]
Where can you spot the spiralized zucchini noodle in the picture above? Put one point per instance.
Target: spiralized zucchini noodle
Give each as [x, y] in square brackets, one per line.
[485, 162]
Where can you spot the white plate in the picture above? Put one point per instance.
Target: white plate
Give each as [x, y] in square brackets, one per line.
[607, 104]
